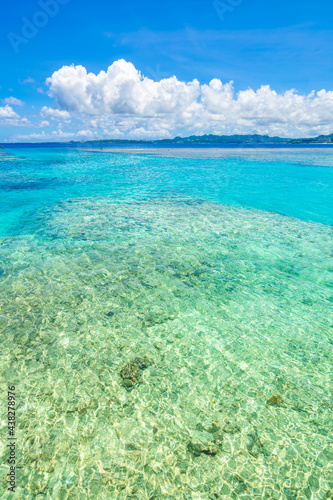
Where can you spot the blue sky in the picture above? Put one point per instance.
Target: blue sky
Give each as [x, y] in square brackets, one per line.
[286, 45]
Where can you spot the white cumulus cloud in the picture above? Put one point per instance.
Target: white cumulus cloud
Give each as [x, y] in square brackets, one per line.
[122, 99]
[120, 90]
[56, 135]
[58, 114]
[8, 112]
[13, 101]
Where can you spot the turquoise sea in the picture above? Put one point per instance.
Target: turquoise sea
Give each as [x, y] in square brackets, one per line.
[166, 319]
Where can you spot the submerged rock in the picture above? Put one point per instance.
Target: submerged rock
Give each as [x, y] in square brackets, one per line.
[131, 373]
[255, 448]
[202, 442]
[110, 314]
[275, 400]
[212, 428]
[231, 428]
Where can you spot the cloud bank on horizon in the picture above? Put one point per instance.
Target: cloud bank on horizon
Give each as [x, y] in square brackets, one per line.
[123, 103]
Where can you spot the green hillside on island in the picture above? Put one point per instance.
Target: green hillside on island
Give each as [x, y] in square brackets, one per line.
[222, 139]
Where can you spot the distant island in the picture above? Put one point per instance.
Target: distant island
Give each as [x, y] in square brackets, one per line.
[205, 139]
[220, 139]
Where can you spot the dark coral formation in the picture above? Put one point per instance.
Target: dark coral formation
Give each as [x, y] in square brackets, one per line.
[275, 400]
[131, 373]
[231, 428]
[205, 442]
[207, 448]
[255, 446]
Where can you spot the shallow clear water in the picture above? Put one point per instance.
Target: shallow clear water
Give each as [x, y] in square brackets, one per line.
[216, 269]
